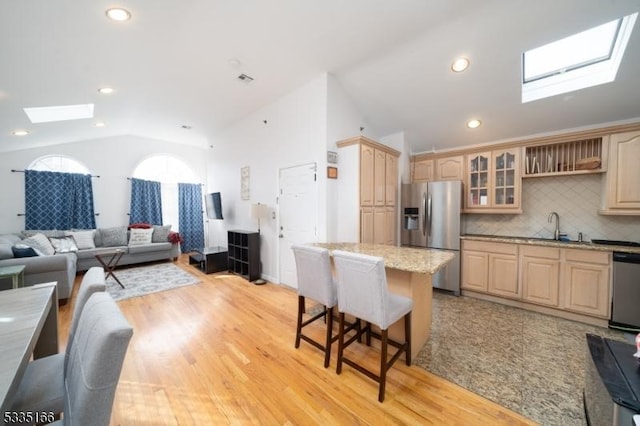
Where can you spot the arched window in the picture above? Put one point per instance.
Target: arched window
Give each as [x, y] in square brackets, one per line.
[58, 163]
[169, 171]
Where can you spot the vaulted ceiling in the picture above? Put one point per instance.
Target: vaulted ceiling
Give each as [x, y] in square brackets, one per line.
[176, 63]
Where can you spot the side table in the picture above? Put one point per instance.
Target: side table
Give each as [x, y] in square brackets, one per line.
[210, 259]
[16, 272]
[110, 263]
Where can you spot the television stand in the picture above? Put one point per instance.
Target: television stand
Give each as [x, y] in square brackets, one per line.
[210, 259]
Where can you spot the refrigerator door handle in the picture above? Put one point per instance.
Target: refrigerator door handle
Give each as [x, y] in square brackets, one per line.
[424, 214]
[429, 214]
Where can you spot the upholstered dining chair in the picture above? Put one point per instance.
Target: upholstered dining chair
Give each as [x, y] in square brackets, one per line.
[362, 292]
[42, 385]
[95, 362]
[315, 281]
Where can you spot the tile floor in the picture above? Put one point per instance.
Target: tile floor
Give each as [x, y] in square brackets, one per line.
[528, 362]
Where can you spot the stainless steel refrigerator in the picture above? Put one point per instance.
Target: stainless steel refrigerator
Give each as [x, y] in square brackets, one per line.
[431, 219]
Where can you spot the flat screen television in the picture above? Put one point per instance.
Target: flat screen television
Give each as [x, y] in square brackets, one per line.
[214, 205]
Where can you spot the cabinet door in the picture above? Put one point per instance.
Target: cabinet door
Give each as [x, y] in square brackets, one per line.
[478, 181]
[379, 225]
[474, 270]
[366, 175]
[451, 168]
[379, 178]
[586, 277]
[423, 171]
[366, 225]
[623, 175]
[390, 226]
[506, 178]
[540, 275]
[503, 275]
[391, 180]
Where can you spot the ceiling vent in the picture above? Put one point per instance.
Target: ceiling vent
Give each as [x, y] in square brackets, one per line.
[245, 78]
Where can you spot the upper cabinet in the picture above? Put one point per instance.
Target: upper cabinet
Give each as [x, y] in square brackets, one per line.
[450, 168]
[443, 168]
[493, 183]
[621, 192]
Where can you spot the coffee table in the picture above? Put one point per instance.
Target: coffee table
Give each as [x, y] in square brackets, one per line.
[16, 272]
[210, 259]
[109, 261]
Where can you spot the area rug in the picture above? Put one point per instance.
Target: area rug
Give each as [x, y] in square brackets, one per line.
[142, 280]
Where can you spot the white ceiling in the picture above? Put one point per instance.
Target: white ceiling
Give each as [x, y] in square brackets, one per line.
[170, 65]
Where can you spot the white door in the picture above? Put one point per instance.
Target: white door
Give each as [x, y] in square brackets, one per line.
[298, 207]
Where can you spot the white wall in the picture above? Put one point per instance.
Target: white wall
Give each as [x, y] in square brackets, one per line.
[294, 133]
[113, 159]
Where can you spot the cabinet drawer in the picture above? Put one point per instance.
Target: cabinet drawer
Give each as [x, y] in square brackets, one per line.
[587, 256]
[541, 252]
[502, 248]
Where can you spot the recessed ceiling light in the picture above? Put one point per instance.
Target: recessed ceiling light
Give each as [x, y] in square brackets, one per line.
[118, 14]
[100, 124]
[472, 124]
[20, 133]
[460, 64]
[106, 90]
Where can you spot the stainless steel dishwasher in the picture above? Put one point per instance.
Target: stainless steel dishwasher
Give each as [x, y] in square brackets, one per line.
[625, 305]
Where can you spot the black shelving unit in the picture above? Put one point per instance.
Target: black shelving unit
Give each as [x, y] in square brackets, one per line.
[244, 253]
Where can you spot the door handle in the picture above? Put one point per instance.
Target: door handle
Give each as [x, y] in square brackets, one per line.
[280, 236]
[429, 214]
[424, 214]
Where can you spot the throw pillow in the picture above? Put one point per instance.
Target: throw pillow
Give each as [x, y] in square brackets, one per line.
[140, 225]
[84, 239]
[139, 236]
[113, 237]
[161, 233]
[64, 244]
[6, 251]
[40, 243]
[22, 250]
[46, 232]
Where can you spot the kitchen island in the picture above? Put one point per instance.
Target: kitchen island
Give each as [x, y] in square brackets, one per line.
[409, 272]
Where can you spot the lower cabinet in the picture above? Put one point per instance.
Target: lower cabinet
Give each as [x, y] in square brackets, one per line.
[586, 279]
[540, 275]
[571, 280]
[377, 225]
[490, 267]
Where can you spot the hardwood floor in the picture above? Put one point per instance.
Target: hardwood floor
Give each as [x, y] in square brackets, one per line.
[222, 352]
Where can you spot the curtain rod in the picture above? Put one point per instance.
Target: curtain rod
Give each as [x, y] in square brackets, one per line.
[22, 214]
[129, 178]
[22, 171]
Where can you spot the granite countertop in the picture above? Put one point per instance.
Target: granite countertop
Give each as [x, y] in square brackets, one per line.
[586, 245]
[410, 259]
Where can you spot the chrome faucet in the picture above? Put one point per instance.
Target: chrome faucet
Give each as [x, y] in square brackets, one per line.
[556, 233]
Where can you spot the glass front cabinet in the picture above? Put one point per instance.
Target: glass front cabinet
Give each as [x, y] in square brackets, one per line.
[493, 182]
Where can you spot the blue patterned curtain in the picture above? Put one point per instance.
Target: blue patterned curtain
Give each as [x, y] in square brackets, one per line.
[190, 216]
[146, 203]
[55, 200]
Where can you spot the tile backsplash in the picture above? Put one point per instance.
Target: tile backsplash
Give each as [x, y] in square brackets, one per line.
[575, 198]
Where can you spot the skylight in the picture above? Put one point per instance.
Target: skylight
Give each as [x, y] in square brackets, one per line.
[59, 113]
[582, 60]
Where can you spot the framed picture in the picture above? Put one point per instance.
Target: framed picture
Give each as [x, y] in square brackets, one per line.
[332, 172]
[244, 183]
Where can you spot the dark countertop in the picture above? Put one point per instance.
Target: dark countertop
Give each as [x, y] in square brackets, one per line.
[586, 245]
[619, 370]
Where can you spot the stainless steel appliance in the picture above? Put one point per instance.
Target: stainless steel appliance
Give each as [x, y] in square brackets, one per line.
[612, 382]
[431, 218]
[625, 303]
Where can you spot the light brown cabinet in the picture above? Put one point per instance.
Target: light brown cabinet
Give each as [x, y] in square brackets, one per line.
[540, 274]
[622, 182]
[422, 171]
[586, 278]
[450, 168]
[493, 182]
[490, 267]
[376, 166]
